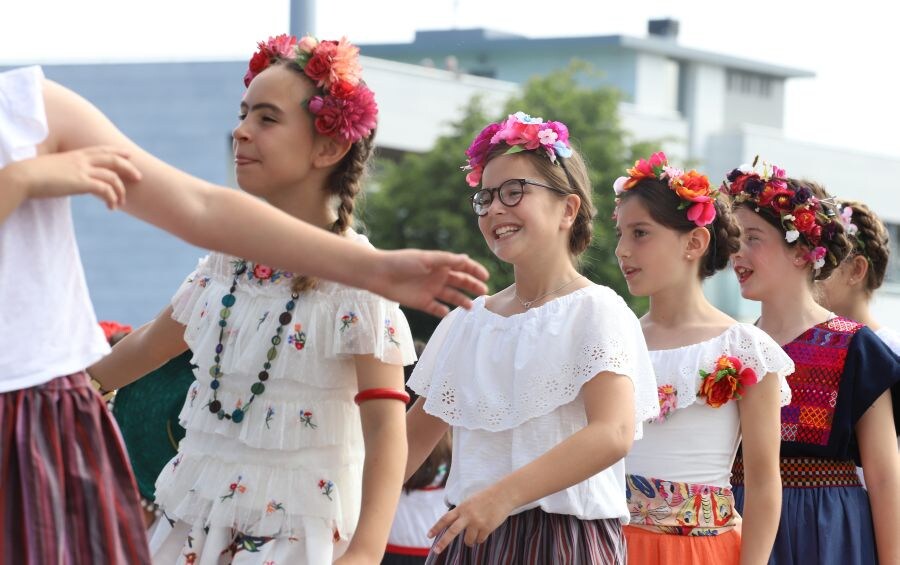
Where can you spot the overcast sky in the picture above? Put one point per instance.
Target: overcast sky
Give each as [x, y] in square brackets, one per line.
[853, 50]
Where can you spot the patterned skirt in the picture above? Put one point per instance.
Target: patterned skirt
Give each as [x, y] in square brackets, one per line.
[825, 513]
[67, 493]
[536, 537]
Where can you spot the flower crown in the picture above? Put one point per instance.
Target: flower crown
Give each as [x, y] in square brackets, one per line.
[852, 230]
[520, 132]
[692, 187]
[346, 108]
[801, 214]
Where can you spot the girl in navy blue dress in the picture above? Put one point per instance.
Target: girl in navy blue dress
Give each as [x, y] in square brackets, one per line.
[841, 412]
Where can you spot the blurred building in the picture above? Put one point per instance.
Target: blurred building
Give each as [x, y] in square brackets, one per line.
[713, 110]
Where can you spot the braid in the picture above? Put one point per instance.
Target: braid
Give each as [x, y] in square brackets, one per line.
[871, 241]
[345, 182]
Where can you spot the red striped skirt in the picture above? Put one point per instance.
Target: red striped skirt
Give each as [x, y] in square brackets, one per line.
[67, 493]
[536, 537]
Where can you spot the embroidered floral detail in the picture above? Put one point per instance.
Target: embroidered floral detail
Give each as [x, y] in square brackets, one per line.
[235, 487]
[274, 506]
[193, 396]
[348, 320]
[389, 332]
[190, 558]
[668, 397]
[306, 419]
[259, 272]
[298, 338]
[176, 462]
[203, 282]
[725, 382]
[327, 487]
[205, 306]
[270, 413]
[261, 320]
[337, 536]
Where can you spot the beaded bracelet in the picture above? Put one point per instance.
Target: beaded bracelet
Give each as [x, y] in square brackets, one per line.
[377, 393]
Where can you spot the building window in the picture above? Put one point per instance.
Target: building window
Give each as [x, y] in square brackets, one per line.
[893, 267]
[750, 84]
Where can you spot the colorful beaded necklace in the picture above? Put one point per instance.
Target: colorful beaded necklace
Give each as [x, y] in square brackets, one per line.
[257, 388]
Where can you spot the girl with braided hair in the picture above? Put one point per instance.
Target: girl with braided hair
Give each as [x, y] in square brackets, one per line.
[841, 412]
[278, 464]
[849, 289]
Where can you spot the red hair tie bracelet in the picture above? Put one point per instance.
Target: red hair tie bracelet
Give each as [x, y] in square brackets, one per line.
[377, 393]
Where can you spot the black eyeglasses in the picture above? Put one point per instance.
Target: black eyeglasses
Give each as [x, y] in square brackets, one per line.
[510, 193]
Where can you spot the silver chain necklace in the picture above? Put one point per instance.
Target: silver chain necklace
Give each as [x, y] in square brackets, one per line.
[527, 303]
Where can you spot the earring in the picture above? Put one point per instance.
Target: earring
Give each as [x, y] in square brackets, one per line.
[688, 256]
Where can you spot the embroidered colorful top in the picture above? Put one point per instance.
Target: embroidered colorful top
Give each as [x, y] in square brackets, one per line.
[842, 368]
[297, 456]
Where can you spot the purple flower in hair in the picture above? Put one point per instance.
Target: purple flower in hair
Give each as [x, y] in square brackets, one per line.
[754, 186]
[801, 196]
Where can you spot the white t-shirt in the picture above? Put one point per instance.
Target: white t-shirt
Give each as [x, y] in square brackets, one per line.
[511, 389]
[696, 443]
[47, 323]
[417, 511]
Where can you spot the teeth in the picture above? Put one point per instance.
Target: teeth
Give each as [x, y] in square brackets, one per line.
[505, 230]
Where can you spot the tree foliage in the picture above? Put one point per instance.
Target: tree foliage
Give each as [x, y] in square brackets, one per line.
[423, 201]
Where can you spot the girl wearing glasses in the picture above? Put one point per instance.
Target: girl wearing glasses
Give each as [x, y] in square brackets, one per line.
[545, 383]
[716, 380]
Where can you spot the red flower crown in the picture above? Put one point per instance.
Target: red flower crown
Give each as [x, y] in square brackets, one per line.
[801, 214]
[346, 108]
[692, 187]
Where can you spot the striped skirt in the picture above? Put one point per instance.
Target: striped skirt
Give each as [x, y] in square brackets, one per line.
[536, 537]
[67, 494]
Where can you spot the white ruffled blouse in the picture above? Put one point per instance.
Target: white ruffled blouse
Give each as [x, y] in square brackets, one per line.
[694, 442]
[295, 461]
[511, 389]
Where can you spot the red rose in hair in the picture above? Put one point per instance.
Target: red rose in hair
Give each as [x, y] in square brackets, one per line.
[318, 68]
[342, 89]
[804, 220]
[782, 200]
[258, 63]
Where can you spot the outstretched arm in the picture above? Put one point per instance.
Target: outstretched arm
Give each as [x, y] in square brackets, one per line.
[761, 429]
[140, 352]
[206, 215]
[100, 171]
[609, 406]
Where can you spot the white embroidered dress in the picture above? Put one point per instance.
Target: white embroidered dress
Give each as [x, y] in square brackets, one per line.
[292, 468]
[694, 442]
[511, 389]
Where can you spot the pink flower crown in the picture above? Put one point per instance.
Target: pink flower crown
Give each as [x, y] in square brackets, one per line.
[346, 109]
[520, 132]
[692, 187]
[801, 214]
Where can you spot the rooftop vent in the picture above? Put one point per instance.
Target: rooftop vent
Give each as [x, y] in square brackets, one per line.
[664, 29]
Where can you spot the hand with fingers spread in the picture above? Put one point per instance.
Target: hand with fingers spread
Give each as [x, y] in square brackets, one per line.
[475, 518]
[427, 280]
[101, 171]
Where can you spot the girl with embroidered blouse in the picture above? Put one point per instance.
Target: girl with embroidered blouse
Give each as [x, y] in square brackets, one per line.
[717, 379]
[544, 383]
[841, 409]
[273, 468]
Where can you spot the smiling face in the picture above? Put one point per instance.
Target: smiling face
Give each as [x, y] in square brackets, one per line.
[651, 256]
[765, 264]
[535, 226]
[275, 139]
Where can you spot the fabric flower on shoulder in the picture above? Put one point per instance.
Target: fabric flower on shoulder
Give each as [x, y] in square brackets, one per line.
[726, 381]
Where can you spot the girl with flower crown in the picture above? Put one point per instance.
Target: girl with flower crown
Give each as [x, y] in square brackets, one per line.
[544, 383]
[278, 465]
[717, 380]
[68, 494]
[841, 409]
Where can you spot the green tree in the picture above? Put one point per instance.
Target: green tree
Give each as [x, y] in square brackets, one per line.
[423, 201]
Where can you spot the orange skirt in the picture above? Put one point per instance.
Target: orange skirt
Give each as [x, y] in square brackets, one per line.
[646, 547]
